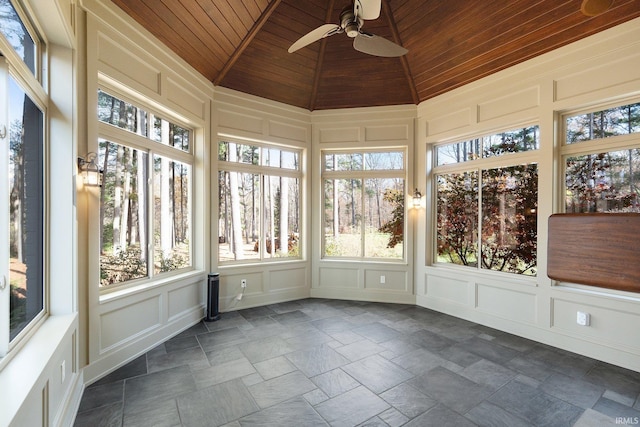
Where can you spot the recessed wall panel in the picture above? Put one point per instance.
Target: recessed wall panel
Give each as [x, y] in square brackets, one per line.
[288, 279]
[287, 131]
[129, 321]
[448, 122]
[604, 75]
[185, 298]
[512, 103]
[385, 280]
[615, 327]
[180, 95]
[338, 278]
[340, 135]
[128, 64]
[242, 122]
[513, 304]
[386, 133]
[448, 289]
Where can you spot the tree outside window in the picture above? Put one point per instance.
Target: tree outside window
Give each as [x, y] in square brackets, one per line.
[145, 202]
[596, 179]
[364, 204]
[487, 217]
[259, 197]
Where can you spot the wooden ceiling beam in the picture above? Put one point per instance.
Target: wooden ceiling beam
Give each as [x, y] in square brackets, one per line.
[318, 72]
[247, 40]
[403, 59]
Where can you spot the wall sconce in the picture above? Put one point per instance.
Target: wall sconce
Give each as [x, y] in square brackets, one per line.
[417, 198]
[91, 174]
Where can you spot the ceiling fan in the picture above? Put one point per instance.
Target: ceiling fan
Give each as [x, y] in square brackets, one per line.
[351, 21]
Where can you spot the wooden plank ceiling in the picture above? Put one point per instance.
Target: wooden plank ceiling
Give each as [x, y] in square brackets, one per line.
[242, 44]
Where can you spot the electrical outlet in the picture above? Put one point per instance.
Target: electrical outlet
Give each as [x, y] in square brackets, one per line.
[383, 280]
[243, 283]
[583, 319]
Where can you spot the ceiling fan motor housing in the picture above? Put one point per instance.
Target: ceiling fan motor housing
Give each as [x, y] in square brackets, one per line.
[349, 22]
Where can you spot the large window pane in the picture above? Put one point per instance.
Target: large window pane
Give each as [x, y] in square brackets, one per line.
[343, 216]
[384, 218]
[509, 219]
[239, 216]
[122, 114]
[281, 213]
[603, 182]
[172, 214]
[621, 120]
[123, 214]
[26, 210]
[457, 218]
[15, 32]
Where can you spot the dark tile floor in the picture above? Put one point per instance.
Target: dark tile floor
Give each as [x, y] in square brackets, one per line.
[342, 363]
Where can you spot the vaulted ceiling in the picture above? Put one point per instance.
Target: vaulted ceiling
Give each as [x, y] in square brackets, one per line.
[242, 44]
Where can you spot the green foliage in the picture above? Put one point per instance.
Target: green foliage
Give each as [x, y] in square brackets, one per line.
[125, 265]
[174, 262]
[395, 226]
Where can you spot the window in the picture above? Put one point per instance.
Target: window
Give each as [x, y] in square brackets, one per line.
[145, 198]
[486, 203]
[259, 202]
[601, 154]
[22, 160]
[363, 215]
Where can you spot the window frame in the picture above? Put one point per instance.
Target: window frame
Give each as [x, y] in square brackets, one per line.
[363, 175]
[262, 171]
[152, 148]
[592, 146]
[479, 165]
[31, 82]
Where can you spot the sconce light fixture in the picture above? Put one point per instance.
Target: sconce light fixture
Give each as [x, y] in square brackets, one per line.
[417, 198]
[91, 174]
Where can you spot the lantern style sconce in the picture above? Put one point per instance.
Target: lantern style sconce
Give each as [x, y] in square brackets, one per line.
[91, 174]
[417, 199]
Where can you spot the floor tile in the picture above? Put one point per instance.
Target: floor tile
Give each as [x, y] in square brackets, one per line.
[335, 382]
[282, 388]
[265, 349]
[377, 332]
[408, 400]
[351, 408]
[157, 387]
[615, 409]
[535, 406]
[102, 395]
[274, 367]
[317, 360]
[487, 373]
[488, 414]
[377, 373]
[136, 367]
[577, 392]
[193, 357]
[455, 391]
[216, 405]
[360, 350]
[104, 416]
[223, 372]
[163, 416]
[440, 416]
[293, 413]
[331, 362]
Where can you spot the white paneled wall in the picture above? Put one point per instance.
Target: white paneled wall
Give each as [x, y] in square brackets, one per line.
[601, 70]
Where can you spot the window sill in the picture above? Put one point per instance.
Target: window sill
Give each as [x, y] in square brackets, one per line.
[122, 292]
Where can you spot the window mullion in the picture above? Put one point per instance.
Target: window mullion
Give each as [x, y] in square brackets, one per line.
[5, 288]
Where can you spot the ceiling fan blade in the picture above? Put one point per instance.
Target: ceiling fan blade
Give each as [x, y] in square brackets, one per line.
[377, 46]
[367, 9]
[315, 35]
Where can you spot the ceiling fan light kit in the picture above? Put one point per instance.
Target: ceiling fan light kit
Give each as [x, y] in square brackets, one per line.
[351, 22]
[595, 7]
